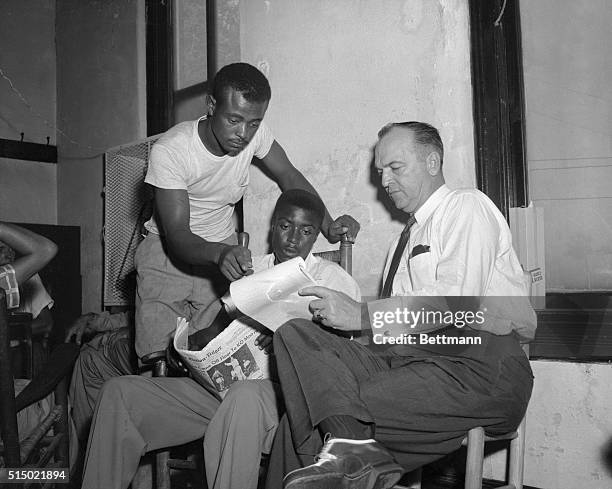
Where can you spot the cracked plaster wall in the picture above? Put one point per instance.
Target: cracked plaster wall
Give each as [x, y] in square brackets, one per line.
[569, 430]
[339, 71]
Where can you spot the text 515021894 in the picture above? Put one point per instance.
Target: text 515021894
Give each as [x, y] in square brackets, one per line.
[24, 475]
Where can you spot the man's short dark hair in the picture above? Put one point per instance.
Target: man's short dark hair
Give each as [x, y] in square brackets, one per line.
[243, 78]
[425, 135]
[302, 199]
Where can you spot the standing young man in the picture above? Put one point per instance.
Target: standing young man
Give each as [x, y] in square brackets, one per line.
[199, 170]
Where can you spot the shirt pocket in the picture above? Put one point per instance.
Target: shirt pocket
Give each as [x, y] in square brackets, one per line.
[422, 270]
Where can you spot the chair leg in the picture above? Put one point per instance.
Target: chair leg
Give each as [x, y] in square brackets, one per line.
[418, 474]
[415, 480]
[143, 479]
[516, 455]
[61, 426]
[475, 456]
[29, 360]
[162, 471]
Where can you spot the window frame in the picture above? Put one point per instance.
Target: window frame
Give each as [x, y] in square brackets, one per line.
[567, 331]
[160, 89]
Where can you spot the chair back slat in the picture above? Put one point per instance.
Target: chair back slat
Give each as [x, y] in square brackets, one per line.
[342, 256]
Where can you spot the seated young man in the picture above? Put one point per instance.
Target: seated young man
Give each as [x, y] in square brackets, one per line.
[22, 255]
[137, 414]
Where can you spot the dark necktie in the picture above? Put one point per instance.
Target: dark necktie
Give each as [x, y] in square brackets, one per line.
[397, 256]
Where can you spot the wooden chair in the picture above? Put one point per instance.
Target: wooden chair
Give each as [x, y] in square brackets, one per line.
[20, 336]
[475, 443]
[342, 256]
[164, 462]
[47, 445]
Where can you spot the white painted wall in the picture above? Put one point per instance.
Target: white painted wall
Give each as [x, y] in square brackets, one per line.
[339, 71]
[569, 428]
[28, 190]
[568, 88]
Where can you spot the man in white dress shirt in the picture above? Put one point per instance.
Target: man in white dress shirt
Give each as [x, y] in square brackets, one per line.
[440, 364]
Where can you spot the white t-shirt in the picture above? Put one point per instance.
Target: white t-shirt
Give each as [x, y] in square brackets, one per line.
[179, 160]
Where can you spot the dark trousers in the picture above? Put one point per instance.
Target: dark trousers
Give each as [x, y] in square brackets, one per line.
[421, 400]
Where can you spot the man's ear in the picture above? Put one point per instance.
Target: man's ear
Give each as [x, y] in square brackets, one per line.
[434, 164]
[211, 104]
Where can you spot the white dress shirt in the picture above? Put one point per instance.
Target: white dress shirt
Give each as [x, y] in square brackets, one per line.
[324, 272]
[469, 253]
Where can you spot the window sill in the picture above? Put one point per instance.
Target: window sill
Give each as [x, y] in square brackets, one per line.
[574, 327]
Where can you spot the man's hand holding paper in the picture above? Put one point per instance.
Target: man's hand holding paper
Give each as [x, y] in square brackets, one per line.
[332, 308]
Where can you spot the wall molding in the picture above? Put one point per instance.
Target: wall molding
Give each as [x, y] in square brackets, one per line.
[20, 150]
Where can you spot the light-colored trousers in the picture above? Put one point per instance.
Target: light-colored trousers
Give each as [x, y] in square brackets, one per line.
[136, 414]
[167, 289]
[106, 356]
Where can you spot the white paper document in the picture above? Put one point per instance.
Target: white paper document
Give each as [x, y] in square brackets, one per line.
[270, 296]
[229, 357]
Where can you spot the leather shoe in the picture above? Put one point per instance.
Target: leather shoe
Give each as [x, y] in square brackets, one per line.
[347, 464]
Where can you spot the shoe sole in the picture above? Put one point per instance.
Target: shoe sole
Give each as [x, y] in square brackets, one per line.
[381, 476]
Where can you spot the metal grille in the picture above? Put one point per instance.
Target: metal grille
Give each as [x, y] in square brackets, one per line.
[127, 205]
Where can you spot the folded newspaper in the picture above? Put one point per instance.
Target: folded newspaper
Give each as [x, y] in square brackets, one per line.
[269, 298]
[231, 356]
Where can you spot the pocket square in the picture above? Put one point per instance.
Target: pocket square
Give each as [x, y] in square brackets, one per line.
[418, 249]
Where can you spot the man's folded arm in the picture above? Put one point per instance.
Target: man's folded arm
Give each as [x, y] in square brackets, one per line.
[172, 207]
